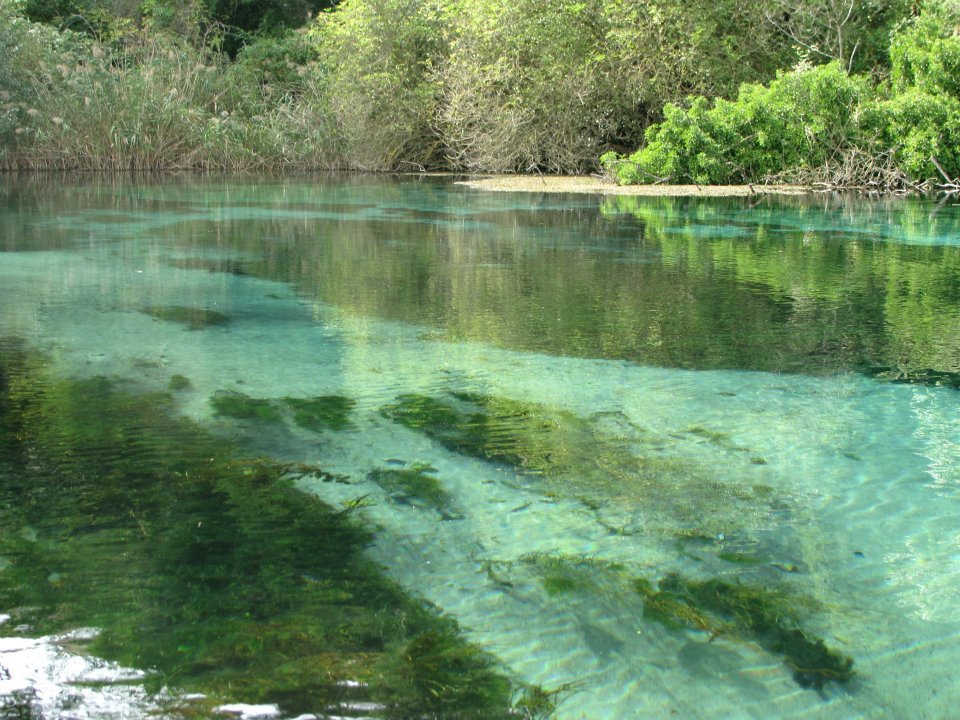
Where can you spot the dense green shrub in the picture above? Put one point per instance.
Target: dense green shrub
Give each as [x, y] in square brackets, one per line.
[820, 123]
[926, 54]
[920, 126]
[802, 119]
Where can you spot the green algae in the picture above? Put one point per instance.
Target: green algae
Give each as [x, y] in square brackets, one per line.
[769, 617]
[229, 403]
[179, 382]
[415, 484]
[561, 573]
[213, 571]
[597, 460]
[193, 317]
[321, 413]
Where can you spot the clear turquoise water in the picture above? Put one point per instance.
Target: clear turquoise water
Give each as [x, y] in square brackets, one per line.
[761, 391]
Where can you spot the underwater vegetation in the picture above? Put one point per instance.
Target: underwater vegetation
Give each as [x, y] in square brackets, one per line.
[229, 403]
[925, 376]
[316, 414]
[415, 484]
[534, 440]
[770, 615]
[599, 459]
[767, 617]
[213, 572]
[179, 382]
[560, 573]
[321, 413]
[194, 318]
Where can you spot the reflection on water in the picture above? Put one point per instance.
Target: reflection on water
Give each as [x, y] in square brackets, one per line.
[645, 456]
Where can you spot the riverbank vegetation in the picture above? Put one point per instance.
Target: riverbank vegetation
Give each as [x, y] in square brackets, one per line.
[822, 123]
[858, 92]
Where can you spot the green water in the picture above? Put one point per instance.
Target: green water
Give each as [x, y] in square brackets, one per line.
[396, 448]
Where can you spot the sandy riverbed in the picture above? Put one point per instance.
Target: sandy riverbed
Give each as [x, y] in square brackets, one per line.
[595, 185]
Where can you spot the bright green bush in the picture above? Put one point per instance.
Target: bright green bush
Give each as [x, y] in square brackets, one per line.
[920, 126]
[820, 123]
[800, 120]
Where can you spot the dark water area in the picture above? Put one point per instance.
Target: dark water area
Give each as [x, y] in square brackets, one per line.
[391, 447]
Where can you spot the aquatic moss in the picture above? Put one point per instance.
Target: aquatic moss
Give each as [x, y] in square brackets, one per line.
[442, 673]
[216, 572]
[321, 413]
[560, 573]
[414, 484]
[229, 403]
[597, 460]
[179, 382]
[193, 317]
[767, 617]
[525, 436]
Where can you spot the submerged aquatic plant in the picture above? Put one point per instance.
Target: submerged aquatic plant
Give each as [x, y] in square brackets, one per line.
[560, 573]
[767, 617]
[594, 460]
[416, 483]
[216, 572]
[193, 317]
[321, 413]
[179, 382]
[229, 403]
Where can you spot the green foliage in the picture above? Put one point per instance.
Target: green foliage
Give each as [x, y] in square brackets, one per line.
[151, 100]
[378, 59]
[279, 65]
[820, 121]
[925, 55]
[802, 119]
[921, 125]
[547, 84]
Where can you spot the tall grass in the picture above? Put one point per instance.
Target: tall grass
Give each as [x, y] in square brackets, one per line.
[150, 102]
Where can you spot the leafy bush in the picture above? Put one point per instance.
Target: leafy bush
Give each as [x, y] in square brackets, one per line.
[820, 123]
[548, 84]
[802, 119]
[377, 61]
[920, 126]
[926, 54]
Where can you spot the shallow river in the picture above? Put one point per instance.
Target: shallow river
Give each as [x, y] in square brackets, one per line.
[645, 457]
